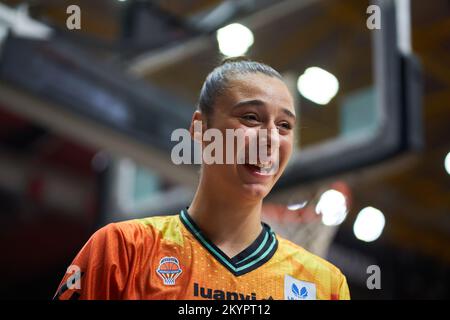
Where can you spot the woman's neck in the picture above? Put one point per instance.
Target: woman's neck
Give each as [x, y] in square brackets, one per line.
[230, 224]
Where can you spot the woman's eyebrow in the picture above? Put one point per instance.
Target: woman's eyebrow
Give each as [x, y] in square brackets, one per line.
[254, 102]
[289, 114]
[257, 102]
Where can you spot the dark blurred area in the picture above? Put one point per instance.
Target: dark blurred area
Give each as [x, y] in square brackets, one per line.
[86, 116]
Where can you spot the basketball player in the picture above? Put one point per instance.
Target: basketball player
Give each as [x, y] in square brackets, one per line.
[217, 248]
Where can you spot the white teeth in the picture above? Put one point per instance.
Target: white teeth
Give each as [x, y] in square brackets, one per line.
[264, 167]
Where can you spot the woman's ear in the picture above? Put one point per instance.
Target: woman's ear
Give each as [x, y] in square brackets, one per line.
[197, 126]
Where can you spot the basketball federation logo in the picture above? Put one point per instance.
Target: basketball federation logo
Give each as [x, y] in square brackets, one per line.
[169, 270]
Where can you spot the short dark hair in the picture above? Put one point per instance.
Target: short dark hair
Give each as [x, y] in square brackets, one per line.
[217, 80]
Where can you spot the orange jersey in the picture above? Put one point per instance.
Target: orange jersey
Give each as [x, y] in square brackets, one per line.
[168, 257]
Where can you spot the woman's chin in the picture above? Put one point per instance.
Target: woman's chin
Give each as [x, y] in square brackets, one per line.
[255, 191]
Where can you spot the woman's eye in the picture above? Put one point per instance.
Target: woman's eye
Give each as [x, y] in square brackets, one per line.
[286, 125]
[250, 117]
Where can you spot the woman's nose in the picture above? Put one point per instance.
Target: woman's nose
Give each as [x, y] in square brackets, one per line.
[269, 137]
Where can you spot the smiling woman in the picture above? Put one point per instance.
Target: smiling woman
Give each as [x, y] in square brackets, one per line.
[218, 247]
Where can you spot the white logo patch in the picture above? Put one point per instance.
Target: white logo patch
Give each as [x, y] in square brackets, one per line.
[169, 270]
[295, 289]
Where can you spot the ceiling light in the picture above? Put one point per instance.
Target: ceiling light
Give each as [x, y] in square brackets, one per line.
[234, 39]
[332, 205]
[369, 224]
[447, 163]
[297, 206]
[318, 85]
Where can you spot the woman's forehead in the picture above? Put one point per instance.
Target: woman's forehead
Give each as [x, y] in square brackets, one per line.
[258, 86]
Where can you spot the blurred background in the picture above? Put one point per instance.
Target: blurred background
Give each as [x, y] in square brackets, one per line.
[90, 92]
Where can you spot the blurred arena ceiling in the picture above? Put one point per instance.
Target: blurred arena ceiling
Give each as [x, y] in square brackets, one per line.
[413, 191]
